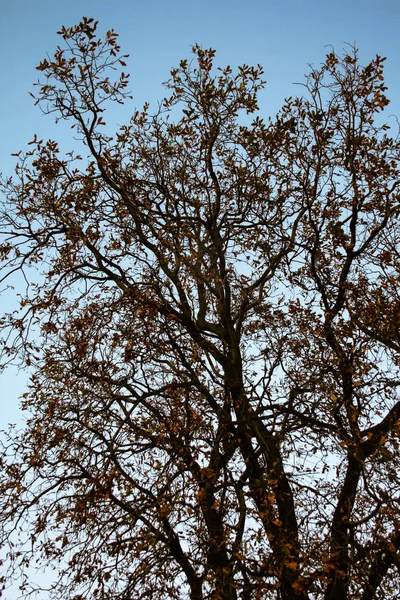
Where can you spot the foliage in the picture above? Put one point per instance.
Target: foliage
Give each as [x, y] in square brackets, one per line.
[214, 337]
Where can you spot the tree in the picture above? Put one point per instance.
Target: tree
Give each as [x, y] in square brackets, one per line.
[212, 323]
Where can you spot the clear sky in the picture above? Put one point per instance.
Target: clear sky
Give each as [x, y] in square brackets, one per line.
[285, 36]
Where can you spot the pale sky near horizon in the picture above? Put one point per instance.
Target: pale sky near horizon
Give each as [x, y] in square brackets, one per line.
[284, 36]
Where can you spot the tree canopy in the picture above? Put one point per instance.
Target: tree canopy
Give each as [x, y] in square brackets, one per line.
[210, 312]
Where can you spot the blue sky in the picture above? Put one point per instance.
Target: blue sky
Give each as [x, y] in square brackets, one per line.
[285, 36]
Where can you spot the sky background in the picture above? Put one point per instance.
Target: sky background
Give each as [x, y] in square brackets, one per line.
[284, 36]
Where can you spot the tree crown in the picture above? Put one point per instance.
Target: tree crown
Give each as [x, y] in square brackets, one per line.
[215, 358]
